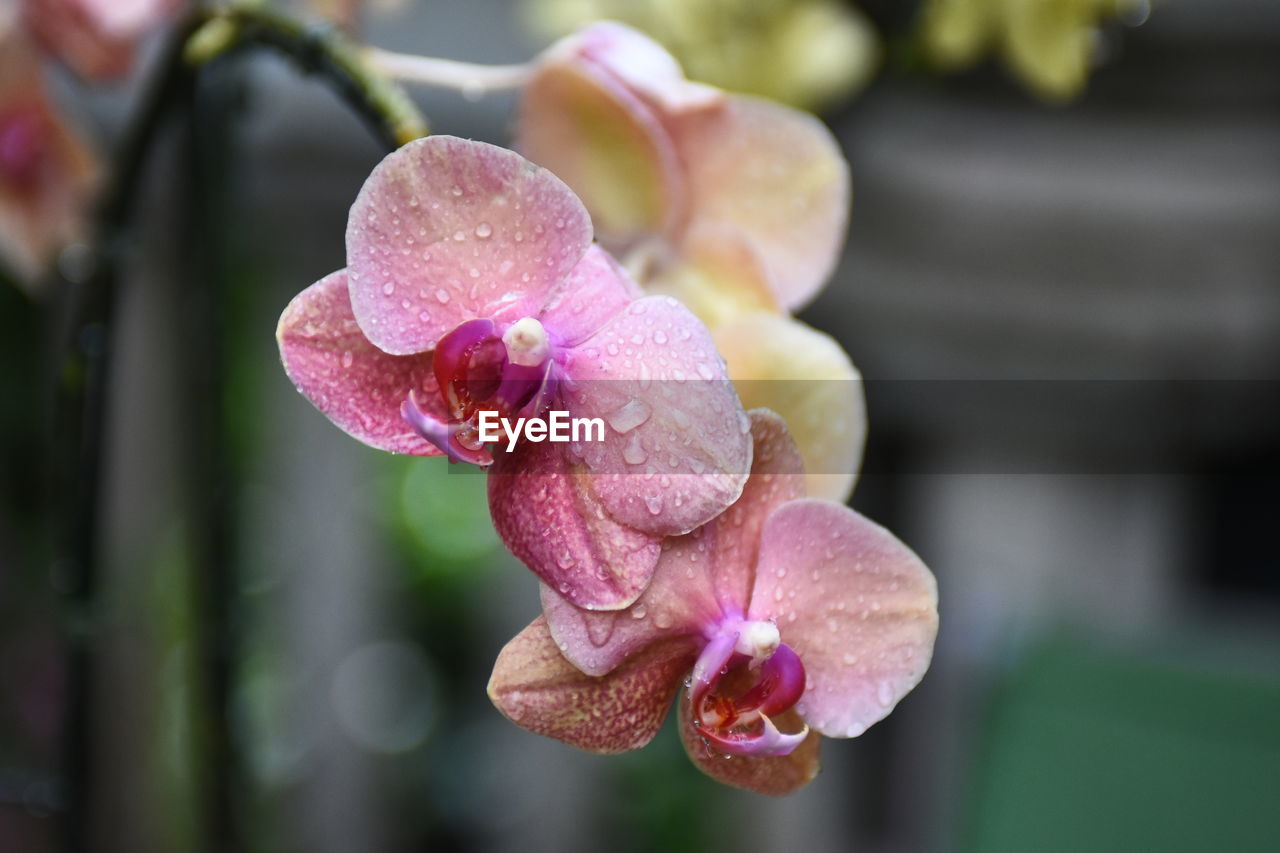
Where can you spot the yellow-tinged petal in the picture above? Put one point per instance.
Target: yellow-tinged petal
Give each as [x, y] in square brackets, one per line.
[606, 144]
[715, 273]
[802, 374]
[778, 177]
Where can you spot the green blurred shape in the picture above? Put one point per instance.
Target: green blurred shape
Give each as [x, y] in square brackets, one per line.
[445, 510]
[1089, 750]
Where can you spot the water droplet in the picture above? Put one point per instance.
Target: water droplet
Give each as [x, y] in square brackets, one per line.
[458, 236]
[633, 453]
[659, 337]
[457, 192]
[442, 295]
[653, 503]
[638, 612]
[474, 273]
[388, 288]
[484, 230]
[347, 359]
[884, 693]
[628, 416]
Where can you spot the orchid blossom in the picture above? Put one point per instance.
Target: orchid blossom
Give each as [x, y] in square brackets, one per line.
[472, 287]
[96, 38]
[785, 618]
[46, 174]
[735, 205]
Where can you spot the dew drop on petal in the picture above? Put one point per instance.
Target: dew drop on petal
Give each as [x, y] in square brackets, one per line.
[628, 416]
[484, 230]
[442, 295]
[638, 612]
[633, 453]
[388, 288]
[347, 359]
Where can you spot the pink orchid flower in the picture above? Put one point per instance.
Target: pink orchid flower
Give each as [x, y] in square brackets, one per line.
[47, 175]
[473, 288]
[734, 205]
[731, 203]
[96, 38]
[784, 618]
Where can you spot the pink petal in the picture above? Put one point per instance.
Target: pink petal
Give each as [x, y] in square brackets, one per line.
[595, 291]
[680, 601]
[544, 512]
[445, 230]
[47, 174]
[777, 175]
[701, 577]
[777, 476]
[774, 775]
[588, 127]
[676, 449]
[641, 63]
[857, 605]
[539, 690]
[356, 385]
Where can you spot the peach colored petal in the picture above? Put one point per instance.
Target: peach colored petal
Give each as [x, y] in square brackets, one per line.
[353, 383]
[537, 689]
[777, 175]
[445, 230]
[607, 144]
[775, 776]
[802, 374]
[715, 272]
[857, 606]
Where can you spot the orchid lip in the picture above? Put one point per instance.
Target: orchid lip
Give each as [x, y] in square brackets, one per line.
[737, 721]
[479, 369]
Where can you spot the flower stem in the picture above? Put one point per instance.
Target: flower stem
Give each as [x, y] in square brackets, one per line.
[469, 78]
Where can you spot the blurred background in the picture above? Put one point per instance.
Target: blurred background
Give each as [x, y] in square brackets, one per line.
[1062, 286]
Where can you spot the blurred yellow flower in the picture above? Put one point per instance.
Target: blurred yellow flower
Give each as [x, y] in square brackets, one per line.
[807, 53]
[1050, 45]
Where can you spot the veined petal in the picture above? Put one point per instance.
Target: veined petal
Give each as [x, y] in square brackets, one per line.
[679, 601]
[676, 449]
[594, 292]
[701, 577]
[445, 230]
[773, 775]
[356, 385]
[584, 124]
[776, 174]
[777, 476]
[537, 689]
[802, 374]
[543, 510]
[857, 606]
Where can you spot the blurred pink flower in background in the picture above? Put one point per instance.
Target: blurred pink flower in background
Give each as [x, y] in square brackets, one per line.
[792, 616]
[96, 38]
[46, 174]
[472, 286]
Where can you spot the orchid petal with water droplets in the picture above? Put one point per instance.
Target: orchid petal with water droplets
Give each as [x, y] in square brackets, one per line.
[858, 607]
